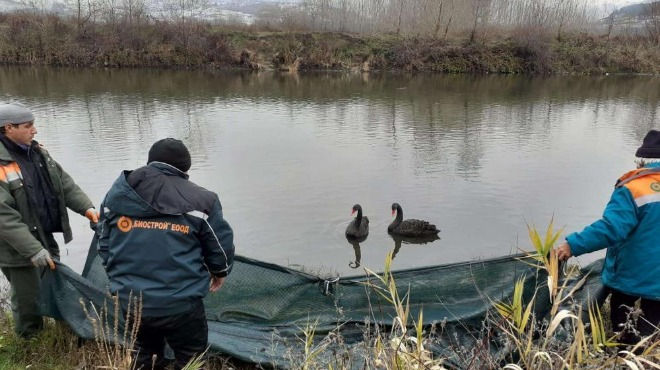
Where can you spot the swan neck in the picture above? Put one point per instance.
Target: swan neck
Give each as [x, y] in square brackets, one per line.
[399, 215]
[397, 219]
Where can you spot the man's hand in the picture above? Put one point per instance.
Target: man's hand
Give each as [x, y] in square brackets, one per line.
[43, 259]
[216, 283]
[92, 215]
[563, 252]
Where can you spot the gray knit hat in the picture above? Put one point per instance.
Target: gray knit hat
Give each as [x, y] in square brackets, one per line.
[14, 113]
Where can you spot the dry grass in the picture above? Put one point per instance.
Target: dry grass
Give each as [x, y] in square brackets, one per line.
[58, 348]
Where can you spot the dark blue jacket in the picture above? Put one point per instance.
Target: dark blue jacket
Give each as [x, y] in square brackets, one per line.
[159, 237]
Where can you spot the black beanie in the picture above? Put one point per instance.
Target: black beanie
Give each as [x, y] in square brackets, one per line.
[172, 152]
[650, 146]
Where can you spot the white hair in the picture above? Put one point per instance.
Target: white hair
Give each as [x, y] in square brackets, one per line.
[642, 162]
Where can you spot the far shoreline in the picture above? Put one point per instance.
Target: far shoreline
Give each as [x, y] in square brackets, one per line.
[55, 41]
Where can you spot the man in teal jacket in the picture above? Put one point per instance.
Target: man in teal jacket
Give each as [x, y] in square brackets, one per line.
[630, 230]
[35, 193]
[164, 239]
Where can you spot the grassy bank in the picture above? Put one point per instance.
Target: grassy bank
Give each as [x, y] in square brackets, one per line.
[57, 348]
[33, 39]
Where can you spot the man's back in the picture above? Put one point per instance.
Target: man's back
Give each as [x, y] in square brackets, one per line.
[159, 235]
[164, 239]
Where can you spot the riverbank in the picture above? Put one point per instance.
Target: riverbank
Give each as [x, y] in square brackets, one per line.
[32, 39]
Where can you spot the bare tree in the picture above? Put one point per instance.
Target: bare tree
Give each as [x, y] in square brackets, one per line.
[135, 16]
[110, 11]
[35, 6]
[563, 8]
[480, 13]
[325, 14]
[437, 22]
[313, 9]
[398, 25]
[182, 11]
[610, 23]
[343, 15]
[652, 22]
[135, 12]
[430, 17]
[83, 11]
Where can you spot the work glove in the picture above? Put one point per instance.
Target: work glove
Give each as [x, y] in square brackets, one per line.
[92, 215]
[43, 259]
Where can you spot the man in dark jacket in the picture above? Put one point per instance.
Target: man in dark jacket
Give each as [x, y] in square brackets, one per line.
[34, 195]
[164, 239]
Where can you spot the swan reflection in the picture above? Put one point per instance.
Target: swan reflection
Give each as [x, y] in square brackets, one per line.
[355, 242]
[400, 239]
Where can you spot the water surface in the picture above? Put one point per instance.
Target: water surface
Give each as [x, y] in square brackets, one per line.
[479, 156]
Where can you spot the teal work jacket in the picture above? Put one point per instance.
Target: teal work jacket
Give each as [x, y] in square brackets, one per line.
[630, 230]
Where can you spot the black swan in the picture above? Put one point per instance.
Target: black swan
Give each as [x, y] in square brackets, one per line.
[359, 227]
[411, 227]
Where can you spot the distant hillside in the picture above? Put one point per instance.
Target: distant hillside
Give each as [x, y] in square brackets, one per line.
[10, 6]
[643, 10]
[254, 7]
[243, 6]
[240, 11]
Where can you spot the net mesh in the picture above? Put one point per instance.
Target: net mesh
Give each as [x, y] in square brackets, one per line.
[261, 312]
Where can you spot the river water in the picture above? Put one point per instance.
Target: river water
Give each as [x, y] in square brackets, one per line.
[479, 156]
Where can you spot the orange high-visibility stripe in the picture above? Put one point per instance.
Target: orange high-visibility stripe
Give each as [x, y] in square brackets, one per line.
[631, 174]
[10, 172]
[644, 186]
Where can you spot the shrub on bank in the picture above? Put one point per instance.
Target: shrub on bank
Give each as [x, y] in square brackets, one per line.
[33, 39]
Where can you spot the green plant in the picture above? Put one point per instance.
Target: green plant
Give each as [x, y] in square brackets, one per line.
[311, 350]
[197, 362]
[516, 312]
[402, 351]
[586, 341]
[598, 335]
[544, 255]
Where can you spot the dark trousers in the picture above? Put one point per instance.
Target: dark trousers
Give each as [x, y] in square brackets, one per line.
[25, 282]
[186, 333]
[620, 308]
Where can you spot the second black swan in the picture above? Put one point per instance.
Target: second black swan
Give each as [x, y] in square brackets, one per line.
[410, 227]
